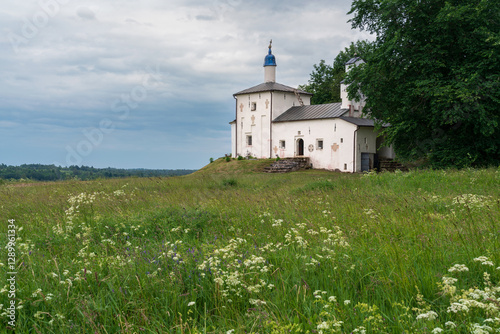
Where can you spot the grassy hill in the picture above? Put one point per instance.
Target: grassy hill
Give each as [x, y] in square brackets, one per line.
[232, 249]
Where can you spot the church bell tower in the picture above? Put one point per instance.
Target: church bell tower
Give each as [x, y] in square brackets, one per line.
[270, 65]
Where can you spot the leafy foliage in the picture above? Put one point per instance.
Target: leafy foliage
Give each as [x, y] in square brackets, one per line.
[434, 75]
[325, 79]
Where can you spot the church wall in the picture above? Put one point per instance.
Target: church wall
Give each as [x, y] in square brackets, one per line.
[252, 119]
[337, 138]
[283, 101]
[366, 142]
[233, 139]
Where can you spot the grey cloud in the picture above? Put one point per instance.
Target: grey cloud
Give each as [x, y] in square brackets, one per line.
[86, 13]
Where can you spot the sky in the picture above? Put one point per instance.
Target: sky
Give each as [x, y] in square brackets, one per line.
[147, 84]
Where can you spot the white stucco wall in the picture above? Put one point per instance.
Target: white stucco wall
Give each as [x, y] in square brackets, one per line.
[255, 123]
[337, 136]
[283, 101]
[366, 142]
[233, 138]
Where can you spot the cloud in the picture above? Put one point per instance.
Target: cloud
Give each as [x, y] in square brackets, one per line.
[72, 71]
[86, 13]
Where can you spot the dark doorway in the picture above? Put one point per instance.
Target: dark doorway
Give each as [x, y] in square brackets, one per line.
[300, 147]
[365, 162]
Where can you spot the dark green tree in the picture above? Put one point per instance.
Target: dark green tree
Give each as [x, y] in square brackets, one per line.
[325, 80]
[434, 75]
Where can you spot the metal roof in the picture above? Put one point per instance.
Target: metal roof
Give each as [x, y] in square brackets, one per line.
[318, 111]
[271, 86]
[353, 60]
[362, 121]
[359, 121]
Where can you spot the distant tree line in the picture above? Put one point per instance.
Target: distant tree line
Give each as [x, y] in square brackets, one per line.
[40, 172]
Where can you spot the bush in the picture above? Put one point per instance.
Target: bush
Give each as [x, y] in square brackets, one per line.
[231, 182]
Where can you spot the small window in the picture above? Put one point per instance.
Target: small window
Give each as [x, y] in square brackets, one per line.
[341, 140]
[335, 127]
[284, 96]
[249, 140]
[345, 166]
[319, 144]
[366, 141]
[254, 106]
[282, 144]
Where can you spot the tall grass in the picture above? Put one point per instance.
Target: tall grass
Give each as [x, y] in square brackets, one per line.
[313, 251]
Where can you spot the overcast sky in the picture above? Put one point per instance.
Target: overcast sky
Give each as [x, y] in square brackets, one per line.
[147, 84]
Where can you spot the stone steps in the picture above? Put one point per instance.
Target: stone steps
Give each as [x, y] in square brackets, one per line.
[391, 166]
[288, 165]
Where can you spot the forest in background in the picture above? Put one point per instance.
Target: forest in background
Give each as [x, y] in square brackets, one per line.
[39, 172]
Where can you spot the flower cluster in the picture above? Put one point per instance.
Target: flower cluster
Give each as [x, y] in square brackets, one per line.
[237, 274]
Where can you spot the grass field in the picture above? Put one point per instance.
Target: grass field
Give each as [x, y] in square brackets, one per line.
[229, 249]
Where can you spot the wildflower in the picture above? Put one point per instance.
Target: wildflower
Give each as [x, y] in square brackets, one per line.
[431, 315]
[436, 330]
[450, 324]
[347, 302]
[191, 303]
[323, 325]
[231, 331]
[481, 259]
[332, 299]
[457, 307]
[458, 268]
[257, 302]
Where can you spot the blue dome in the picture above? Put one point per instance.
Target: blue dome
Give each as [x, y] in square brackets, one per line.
[270, 59]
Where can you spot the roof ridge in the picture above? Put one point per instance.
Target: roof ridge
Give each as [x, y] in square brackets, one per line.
[271, 86]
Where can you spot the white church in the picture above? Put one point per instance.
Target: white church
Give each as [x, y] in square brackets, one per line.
[275, 120]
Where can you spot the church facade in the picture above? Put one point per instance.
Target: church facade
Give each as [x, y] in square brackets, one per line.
[274, 120]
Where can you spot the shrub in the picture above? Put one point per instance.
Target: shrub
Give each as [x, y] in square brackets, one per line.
[231, 182]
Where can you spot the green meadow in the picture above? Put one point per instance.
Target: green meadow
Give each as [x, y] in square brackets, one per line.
[230, 249]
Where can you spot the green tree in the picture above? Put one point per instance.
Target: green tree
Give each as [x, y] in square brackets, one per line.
[325, 80]
[433, 74]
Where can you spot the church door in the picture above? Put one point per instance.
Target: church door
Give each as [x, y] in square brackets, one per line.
[300, 147]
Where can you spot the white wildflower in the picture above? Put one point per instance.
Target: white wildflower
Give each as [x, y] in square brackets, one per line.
[457, 307]
[450, 324]
[431, 315]
[323, 325]
[458, 268]
[191, 303]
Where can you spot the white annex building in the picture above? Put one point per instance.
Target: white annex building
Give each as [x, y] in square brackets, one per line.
[277, 120]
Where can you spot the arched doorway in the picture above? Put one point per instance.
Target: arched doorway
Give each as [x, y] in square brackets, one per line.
[300, 147]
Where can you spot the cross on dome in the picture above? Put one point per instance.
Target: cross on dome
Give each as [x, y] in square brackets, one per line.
[270, 59]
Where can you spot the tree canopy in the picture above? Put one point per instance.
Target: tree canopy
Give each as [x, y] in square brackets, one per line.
[325, 79]
[434, 75]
